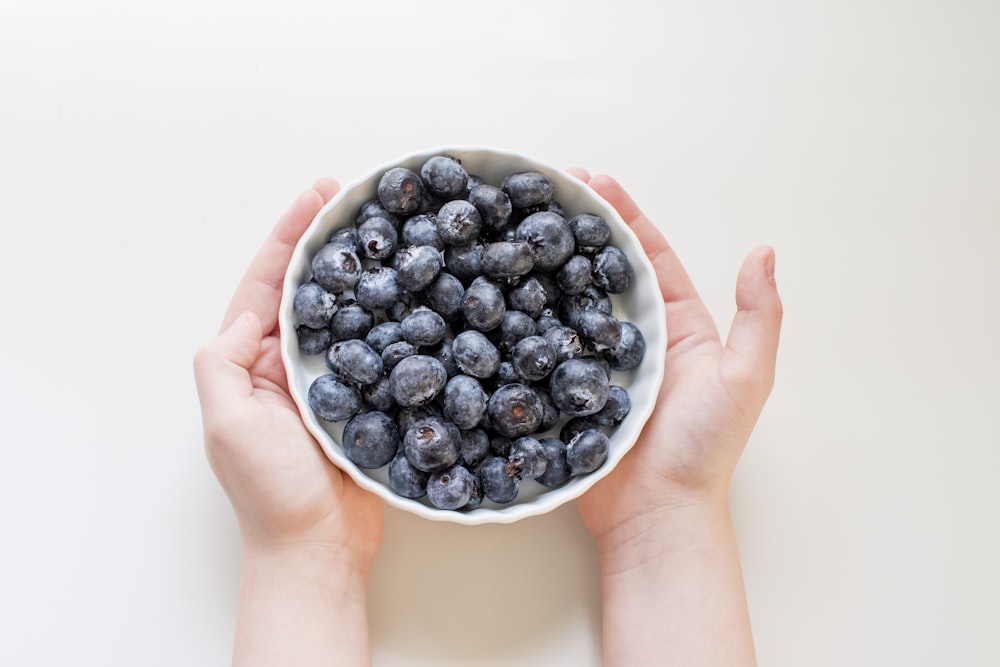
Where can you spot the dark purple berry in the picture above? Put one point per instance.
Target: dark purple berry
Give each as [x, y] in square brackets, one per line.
[370, 439]
[332, 400]
[401, 191]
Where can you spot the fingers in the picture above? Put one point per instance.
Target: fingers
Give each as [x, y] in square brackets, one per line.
[260, 289]
[580, 173]
[686, 314]
[327, 188]
[221, 366]
[752, 345]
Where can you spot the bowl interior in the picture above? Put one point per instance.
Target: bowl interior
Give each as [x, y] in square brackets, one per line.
[641, 305]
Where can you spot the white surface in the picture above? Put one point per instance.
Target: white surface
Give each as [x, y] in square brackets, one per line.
[146, 149]
[642, 307]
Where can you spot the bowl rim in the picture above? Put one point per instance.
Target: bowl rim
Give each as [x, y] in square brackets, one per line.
[653, 361]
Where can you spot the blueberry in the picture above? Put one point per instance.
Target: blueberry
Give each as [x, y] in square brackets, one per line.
[313, 341]
[526, 458]
[493, 205]
[533, 358]
[430, 203]
[351, 321]
[464, 262]
[451, 488]
[432, 444]
[384, 334]
[417, 266]
[370, 439]
[555, 207]
[528, 188]
[506, 374]
[589, 231]
[557, 471]
[592, 297]
[336, 267]
[601, 363]
[377, 238]
[354, 362]
[464, 401]
[331, 399]
[575, 426]
[444, 296]
[578, 388]
[599, 330]
[550, 238]
[587, 451]
[313, 305]
[514, 326]
[474, 354]
[424, 327]
[500, 445]
[398, 311]
[378, 288]
[421, 229]
[617, 407]
[575, 275]
[346, 236]
[444, 176]
[378, 395]
[410, 415]
[476, 499]
[612, 270]
[474, 448]
[507, 259]
[404, 479]
[528, 296]
[550, 413]
[630, 349]
[401, 191]
[498, 486]
[483, 306]
[546, 321]
[565, 341]
[373, 209]
[506, 233]
[515, 410]
[458, 223]
[393, 353]
[443, 353]
[417, 380]
[552, 292]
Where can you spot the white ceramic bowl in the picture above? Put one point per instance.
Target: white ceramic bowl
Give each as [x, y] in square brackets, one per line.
[641, 305]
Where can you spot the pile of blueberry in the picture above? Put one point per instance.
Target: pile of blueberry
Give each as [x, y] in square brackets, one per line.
[461, 322]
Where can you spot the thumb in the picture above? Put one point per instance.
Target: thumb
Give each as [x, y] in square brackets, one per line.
[221, 366]
[752, 344]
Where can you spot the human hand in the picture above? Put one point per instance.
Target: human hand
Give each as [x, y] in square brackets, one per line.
[309, 532]
[711, 396]
[671, 581]
[285, 492]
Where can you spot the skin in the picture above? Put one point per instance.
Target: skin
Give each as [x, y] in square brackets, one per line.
[308, 532]
[670, 573]
[671, 580]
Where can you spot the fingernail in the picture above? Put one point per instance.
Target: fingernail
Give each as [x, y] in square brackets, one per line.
[241, 322]
[769, 266]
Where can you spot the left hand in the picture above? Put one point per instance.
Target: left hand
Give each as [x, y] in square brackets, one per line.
[285, 491]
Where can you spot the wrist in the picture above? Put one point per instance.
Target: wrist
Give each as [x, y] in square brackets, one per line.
[671, 577]
[695, 522]
[300, 604]
[333, 569]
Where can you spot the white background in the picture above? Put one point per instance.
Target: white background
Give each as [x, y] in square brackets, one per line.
[146, 148]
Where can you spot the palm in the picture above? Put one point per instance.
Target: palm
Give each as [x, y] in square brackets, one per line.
[708, 402]
[282, 486]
